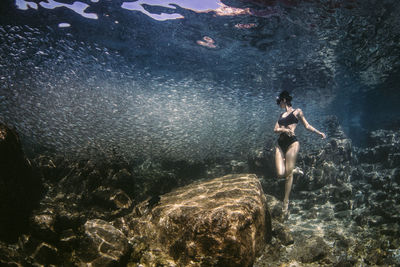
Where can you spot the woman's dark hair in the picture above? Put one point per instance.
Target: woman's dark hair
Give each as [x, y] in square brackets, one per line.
[284, 95]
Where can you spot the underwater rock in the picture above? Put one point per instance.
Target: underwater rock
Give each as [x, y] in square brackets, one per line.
[20, 188]
[393, 160]
[333, 128]
[193, 225]
[383, 149]
[383, 137]
[68, 240]
[340, 193]
[262, 162]
[123, 180]
[220, 222]
[11, 256]
[312, 250]
[275, 207]
[46, 254]
[102, 245]
[115, 200]
[338, 151]
[95, 197]
[42, 226]
[282, 233]
[52, 169]
[239, 167]
[396, 176]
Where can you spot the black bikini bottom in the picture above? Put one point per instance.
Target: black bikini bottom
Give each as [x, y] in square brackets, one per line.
[284, 141]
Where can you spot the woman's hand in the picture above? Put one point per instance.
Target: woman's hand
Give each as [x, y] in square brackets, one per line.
[323, 136]
[289, 132]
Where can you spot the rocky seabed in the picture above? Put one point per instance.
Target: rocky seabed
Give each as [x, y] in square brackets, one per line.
[105, 212]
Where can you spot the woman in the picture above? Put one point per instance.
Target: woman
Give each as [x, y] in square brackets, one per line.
[288, 146]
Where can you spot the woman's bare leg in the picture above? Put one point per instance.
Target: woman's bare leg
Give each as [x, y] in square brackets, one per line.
[290, 161]
[279, 162]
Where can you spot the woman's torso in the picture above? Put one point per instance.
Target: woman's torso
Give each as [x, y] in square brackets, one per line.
[289, 120]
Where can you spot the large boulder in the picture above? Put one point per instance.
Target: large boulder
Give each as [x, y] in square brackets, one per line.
[20, 189]
[221, 222]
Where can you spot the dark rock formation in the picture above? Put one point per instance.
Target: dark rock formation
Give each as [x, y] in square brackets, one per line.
[221, 222]
[20, 188]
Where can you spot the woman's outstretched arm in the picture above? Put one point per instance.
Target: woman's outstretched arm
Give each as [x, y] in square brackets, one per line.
[308, 126]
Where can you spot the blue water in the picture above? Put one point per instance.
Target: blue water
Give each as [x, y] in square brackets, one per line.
[193, 80]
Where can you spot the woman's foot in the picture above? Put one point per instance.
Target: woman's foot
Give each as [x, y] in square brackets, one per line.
[285, 206]
[297, 170]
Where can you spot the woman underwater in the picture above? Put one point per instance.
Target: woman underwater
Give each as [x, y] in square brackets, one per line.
[288, 146]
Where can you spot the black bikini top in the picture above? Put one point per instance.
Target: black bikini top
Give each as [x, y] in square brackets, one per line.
[289, 119]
